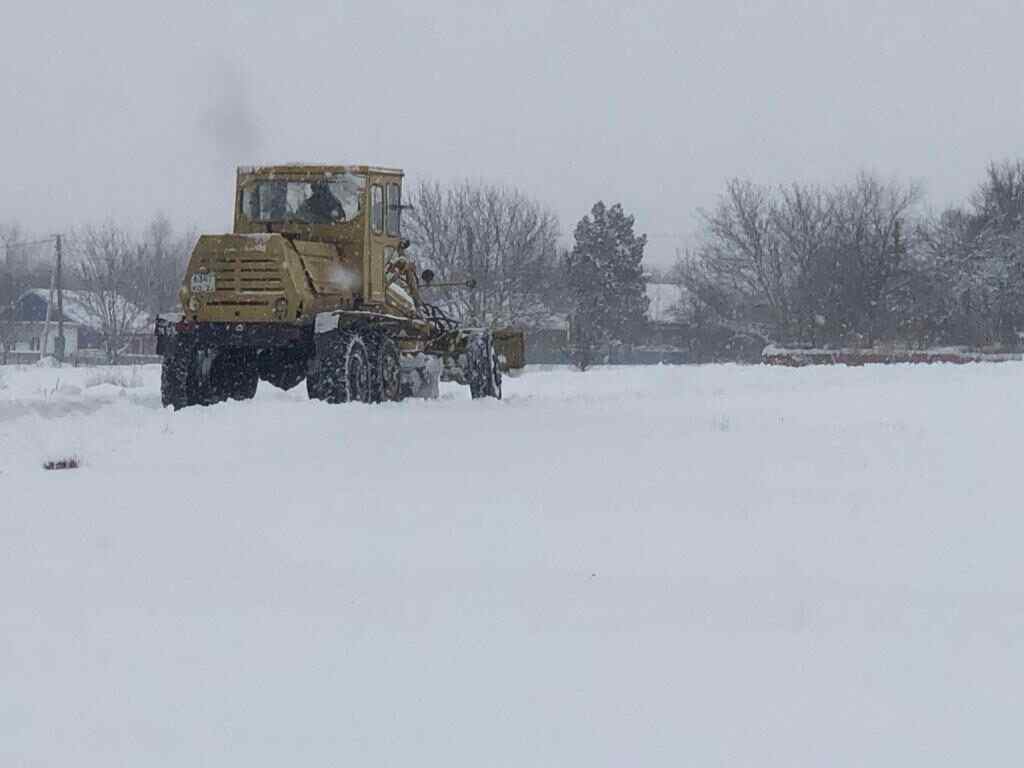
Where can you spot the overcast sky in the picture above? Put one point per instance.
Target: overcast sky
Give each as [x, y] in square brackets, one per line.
[119, 110]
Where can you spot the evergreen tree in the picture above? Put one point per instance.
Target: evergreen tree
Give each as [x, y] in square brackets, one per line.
[605, 277]
[584, 283]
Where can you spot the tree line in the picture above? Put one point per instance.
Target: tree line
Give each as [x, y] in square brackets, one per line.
[855, 263]
[121, 277]
[858, 264]
[510, 246]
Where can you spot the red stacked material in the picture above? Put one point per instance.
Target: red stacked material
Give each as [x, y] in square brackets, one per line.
[796, 358]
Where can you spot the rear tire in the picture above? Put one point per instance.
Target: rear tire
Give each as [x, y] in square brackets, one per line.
[342, 372]
[314, 380]
[387, 370]
[482, 369]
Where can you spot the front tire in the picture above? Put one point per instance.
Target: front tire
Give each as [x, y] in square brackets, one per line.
[281, 369]
[174, 378]
[204, 376]
[234, 374]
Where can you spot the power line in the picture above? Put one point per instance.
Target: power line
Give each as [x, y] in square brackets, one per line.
[27, 243]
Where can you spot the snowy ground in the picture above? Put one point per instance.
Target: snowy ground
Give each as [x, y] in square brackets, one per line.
[653, 567]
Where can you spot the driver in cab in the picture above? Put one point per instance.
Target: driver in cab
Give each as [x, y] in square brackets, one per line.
[321, 207]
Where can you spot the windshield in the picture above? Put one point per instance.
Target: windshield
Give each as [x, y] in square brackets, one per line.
[333, 199]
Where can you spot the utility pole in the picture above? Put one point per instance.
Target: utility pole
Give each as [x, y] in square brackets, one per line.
[6, 333]
[58, 343]
[45, 341]
[9, 274]
[55, 285]
[474, 297]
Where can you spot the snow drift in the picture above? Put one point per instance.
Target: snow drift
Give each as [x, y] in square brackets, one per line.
[662, 566]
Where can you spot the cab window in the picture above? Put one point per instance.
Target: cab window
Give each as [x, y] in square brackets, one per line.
[377, 208]
[329, 200]
[394, 210]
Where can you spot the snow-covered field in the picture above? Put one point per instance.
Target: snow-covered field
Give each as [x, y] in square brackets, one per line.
[629, 567]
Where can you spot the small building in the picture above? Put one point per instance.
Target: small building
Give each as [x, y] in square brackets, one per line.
[664, 339]
[547, 342]
[662, 301]
[29, 337]
[28, 331]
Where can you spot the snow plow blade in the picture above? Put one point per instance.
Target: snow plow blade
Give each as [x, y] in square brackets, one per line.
[510, 344]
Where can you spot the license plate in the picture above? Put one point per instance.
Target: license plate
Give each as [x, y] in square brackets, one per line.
[204, 282]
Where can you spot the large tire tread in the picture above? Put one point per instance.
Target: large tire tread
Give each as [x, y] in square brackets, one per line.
[342, 369]
[483, 371]
[174, 375]
[385, 365]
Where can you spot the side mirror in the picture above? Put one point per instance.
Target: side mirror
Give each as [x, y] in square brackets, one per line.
[427, 277]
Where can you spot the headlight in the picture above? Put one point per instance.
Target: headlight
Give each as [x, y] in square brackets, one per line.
[280, 308]
[193, 304]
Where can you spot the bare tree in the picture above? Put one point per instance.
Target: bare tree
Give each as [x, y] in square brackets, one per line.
[968, 281]
[107, 262]
[159, 259]
[8, 288]
[804, 263]
[503, 240]
[708, 297]
[15, 278]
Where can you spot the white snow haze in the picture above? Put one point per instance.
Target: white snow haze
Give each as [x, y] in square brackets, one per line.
[713, 559]
[126, 108]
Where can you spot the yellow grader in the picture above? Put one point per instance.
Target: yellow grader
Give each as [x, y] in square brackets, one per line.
[314, 284]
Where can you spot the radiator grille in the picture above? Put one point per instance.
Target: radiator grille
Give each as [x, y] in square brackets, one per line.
[246, 280]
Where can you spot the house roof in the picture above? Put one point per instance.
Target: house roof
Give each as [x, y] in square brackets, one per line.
[663, 298]
[77, 309]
